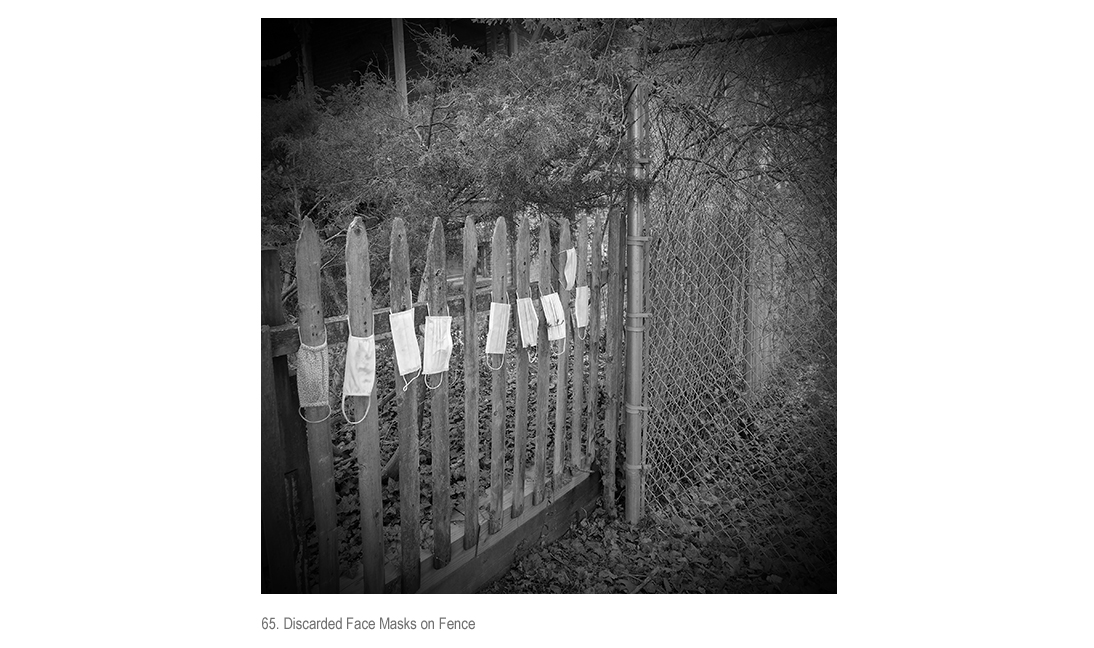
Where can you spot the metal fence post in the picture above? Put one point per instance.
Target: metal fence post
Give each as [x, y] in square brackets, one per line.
[637, 202]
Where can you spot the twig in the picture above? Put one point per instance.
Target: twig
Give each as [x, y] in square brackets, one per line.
[643, 583]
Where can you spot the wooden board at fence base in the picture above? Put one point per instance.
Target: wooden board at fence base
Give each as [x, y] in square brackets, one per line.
[493, 555]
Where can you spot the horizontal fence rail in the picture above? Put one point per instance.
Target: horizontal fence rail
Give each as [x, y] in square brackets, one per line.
[284, 339]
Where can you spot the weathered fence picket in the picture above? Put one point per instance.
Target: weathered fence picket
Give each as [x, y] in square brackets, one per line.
[564, 351]
[543, 355]
[499, 264]
[406, 399]
[470, 387]
[591, 413]
[578, 371]
[436, 289]
[520, 424]
[313, 333]
[359, 304]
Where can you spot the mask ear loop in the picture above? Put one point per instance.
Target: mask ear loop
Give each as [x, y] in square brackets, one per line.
[307, 420]
[425, 380]
[533, 347]
[406, 386]
[363, 417]
[300, 410]
[579, 329]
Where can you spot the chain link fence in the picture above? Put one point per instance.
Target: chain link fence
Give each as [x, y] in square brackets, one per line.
[740, 439]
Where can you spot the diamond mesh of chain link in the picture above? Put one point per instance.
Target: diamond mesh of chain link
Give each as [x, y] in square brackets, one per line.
[740, 353]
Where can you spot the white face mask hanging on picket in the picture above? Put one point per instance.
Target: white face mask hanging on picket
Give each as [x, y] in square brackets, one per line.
[407, 356]
[555, 316]
[438, 346]
[360, 376]
[570, 270]
[528, 319]
[581, 307]
[312, 378]
[496, 334]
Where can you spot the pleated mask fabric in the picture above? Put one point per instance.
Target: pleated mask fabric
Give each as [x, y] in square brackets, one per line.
[570, 270]
[438, 343]
[555, 316]
[407, 356]
[360, 375]
[499, 327]
[528, 319]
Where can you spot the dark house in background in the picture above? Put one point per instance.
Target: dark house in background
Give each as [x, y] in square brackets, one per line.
[328, 52]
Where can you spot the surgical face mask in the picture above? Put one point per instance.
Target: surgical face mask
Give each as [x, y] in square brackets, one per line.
[570, 270]
[312, 378]
[581, 306]
[360, 376]
[438, 345]
[499, 328]
[555, 316]
[529, 321]
[407, 356]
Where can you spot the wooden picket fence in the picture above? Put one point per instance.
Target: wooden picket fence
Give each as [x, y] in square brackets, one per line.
[531, 507]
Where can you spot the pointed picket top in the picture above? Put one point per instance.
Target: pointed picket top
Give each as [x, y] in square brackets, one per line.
[435, 277]
[545, 258]
[523, 259]
[399, 262]
[312, 329]
[499, 238]
[358, 279]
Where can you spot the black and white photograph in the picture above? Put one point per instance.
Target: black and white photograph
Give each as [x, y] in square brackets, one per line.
[548, 325]
[549, 305]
